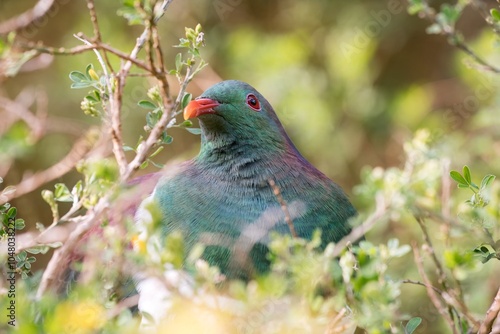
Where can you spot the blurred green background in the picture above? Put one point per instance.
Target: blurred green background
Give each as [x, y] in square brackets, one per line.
[350, 80]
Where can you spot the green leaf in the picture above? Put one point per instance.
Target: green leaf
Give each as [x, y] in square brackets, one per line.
[178, 62]
[128, 148]
[97, 95]
[186, 124]
[77, 76]
[78, 85]
[77, 189]
[485, 252]
[466, 172]
[495, 14]
[434, 29]
[21, 256]
[487, 180]
[11, 214]
[185, 100]
[158, 150]
[415, 7]
[412, 325]
[62, 194]
[147, 104]
[196, 52]
[91, 98]
[458, 178]
[450, 13]
[167, 139]
[152, 118]
[157, 165]
[87, 69]
[19, 224]
[195, 131]
[144, 164]
[36, 250]
[48, 196]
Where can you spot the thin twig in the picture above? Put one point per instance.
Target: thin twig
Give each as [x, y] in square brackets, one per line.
[84, 48]
[431, 292]
[284, 207]
[116, 135]
[21, 111]
[97, 32]
[359, 231]
[409, 281]
[59, 260]
[456, 304]
[115, 108]
[445, 198]
[430, 249]
[448, 299]
[93, 19]
[455, 39]
[156, 132]
[449, 295]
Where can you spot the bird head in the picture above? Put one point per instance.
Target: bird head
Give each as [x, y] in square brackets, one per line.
[237, 110]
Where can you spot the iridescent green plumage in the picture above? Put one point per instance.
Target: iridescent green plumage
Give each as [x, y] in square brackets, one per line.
[223, 197]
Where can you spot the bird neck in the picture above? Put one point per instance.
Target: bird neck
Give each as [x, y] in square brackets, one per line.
[238, 157]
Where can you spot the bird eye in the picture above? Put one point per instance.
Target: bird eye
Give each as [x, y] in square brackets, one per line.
[253, 102]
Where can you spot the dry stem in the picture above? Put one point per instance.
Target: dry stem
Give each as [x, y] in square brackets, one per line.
[433, 296]
[66, 164]
[492, 316]
[284, 207]
[359, 231]
[25, 19]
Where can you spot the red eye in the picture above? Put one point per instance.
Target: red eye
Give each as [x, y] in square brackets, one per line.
[253, 102]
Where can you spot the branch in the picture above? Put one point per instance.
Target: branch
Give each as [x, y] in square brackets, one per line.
[97, 31]
[25, 19]
[19, 109]
[455, 39]
[156, 132]
[59, 261]
[409, 281]
[116, 134]
[84, 48]
[491, 315]
[66, 164]
[431, 292]
[432, 253]
[359, 231]
[121, 77]
[93, 19]
[449, 295]
[284, 207]
[445, 198]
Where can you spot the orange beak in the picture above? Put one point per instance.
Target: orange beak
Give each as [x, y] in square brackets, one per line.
[199, 107]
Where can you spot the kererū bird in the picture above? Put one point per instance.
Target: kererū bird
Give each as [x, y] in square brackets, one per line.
[247, 181]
